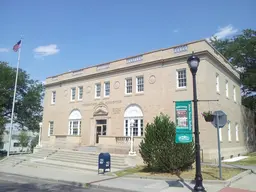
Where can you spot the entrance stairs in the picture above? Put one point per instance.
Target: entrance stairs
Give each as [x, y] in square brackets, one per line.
[65, 159]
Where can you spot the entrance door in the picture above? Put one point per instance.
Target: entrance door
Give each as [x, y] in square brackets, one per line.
[101, 128]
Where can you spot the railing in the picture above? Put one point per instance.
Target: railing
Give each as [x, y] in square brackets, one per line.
[119, 140]
[123, 140]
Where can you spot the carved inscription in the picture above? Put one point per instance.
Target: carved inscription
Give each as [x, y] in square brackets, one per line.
[106, 103]
[116, 110]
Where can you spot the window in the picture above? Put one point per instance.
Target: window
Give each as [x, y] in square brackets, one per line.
[217, 83]
[80, 92]
[97, 90]
[234, 93]
[16, 144]
[181, 78]
[141, 127]
[139, 84]
[237, 132]
[51, 126]
[106, 89]
[226, 88]
[73, 94]
[135, 113]
[229, 132]
[53, 97]
[74, 127]
[128, 85]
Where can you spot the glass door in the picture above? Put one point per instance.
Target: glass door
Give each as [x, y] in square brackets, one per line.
[101, 128]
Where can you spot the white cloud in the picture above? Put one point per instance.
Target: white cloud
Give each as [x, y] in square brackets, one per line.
[47, 50]
[175, 30]
[224, 32]
[3, 50]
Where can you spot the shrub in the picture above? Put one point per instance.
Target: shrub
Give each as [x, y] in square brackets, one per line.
[160, 152]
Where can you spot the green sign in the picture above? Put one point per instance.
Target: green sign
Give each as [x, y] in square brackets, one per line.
[183, 111]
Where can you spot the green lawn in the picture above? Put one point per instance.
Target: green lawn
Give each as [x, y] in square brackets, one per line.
[209, 173]
[251, 160]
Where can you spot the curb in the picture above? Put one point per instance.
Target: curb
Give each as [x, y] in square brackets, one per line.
[224, 182]
[72, 183]
[115, 189]
[237, 177]
[5, 158]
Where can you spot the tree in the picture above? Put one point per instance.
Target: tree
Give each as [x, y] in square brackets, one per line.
[34, 142]
[23, 139]
[159, 150]
[28, 109]
[240, 50]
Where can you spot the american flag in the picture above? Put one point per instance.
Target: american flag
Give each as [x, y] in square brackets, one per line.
[17, 46]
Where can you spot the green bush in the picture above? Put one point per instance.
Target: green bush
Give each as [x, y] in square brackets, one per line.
[159, 150]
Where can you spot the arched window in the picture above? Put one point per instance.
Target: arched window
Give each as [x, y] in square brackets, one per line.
[74, 123]
[133, 112]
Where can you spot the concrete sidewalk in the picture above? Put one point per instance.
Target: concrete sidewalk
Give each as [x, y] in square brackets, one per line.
[80, 178]
[150, 185]
[69, 176]
[245, 184]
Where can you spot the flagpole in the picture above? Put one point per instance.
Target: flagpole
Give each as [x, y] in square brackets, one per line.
[13, 102]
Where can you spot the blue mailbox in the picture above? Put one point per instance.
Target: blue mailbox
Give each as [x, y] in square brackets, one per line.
[104, 164]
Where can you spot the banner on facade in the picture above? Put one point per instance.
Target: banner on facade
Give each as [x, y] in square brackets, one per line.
[183, 111]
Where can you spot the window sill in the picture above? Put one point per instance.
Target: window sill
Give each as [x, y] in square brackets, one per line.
[106, 98]
[97, 98]
[52, 104]
[218, 92]
[128, 95]
[139, 93]
[73, 135]
[72, 101]
[227, 97]
[181, 89]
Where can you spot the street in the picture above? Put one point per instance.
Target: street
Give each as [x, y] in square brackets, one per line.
[16, 183]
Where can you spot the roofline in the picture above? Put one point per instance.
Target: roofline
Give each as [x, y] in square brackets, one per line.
[224, 58]
[148, 64]
[163, 49]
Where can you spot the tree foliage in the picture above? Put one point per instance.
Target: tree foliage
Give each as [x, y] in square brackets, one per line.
[23, 139]
[159, 150]
[28, 108]
[34, 142]
[240, 50]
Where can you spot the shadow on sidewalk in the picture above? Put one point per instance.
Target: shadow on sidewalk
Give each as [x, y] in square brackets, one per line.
[179, 183]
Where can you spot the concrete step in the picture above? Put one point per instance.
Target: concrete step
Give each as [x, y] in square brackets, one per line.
[60, 164]
[42, 165]
[85, 155]
[86, 162]
[114, 165]
[85, 158]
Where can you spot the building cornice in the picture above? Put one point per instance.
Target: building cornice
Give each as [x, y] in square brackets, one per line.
[130, 68]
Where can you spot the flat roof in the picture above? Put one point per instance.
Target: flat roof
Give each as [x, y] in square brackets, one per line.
[146, 53]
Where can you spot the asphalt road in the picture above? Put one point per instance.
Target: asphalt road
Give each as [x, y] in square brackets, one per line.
[20, 183]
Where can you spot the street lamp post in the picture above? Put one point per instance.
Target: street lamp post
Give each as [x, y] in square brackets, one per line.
[132, 152]
[40, 131]
[193, 62]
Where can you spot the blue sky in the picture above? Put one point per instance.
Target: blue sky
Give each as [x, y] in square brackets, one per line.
[63, 35]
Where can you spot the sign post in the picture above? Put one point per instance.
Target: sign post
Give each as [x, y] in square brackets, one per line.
[219, 121]
[219, 153]
[183, 111]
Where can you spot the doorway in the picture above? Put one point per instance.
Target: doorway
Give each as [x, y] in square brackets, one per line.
[101, 128]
